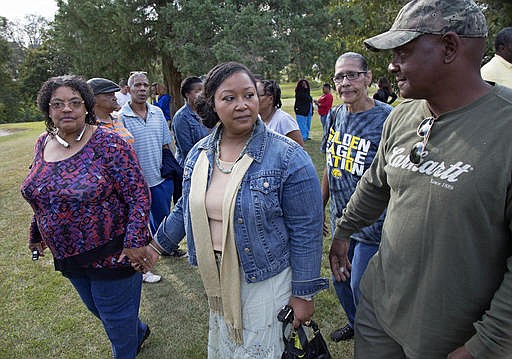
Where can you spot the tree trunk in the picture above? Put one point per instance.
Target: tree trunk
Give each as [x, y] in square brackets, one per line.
[172, 80]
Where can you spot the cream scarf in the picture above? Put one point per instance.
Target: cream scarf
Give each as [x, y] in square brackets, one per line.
[223, 291]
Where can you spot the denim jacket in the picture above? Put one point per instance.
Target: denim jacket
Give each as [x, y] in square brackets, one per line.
[278, 213]
[188, 130]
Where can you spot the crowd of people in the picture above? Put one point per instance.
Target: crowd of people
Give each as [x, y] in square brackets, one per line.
[420, 195]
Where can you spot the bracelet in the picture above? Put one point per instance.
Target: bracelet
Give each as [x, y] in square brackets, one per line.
[155, 249]
[307, 298]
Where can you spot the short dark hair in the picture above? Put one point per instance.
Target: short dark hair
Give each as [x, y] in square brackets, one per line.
[78, 84]
[327, 85]
[271, 87]
[383, 82]
[503, 38]
[123, 83]
[186, 85]
[216, 76]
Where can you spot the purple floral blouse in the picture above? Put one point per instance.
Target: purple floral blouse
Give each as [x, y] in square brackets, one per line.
[83, 202]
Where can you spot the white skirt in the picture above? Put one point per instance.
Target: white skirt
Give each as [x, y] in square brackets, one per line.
[263, 338]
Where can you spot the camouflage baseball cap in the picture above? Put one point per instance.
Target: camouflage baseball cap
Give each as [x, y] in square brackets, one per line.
[420, 17]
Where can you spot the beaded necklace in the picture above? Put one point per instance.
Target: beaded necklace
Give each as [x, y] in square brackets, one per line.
[217, 152]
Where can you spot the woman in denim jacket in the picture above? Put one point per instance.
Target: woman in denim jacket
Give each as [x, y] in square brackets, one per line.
[252, 213]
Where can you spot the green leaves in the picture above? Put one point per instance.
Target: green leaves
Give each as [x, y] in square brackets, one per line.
[172, 39]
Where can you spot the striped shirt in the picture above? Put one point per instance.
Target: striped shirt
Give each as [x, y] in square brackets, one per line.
[150, 136]
[117, 126]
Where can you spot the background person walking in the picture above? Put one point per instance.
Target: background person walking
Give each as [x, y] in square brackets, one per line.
[324, 103]
[303, 108]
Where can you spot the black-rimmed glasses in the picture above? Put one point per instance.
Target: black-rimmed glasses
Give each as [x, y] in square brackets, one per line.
[138, 73]
[351, 76]
[417, 150]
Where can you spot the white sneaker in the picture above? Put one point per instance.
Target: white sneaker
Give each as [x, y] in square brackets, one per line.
[149, 277]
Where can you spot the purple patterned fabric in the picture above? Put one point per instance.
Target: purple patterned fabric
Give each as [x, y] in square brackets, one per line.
[89, 199]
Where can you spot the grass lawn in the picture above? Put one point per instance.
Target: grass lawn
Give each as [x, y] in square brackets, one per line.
[42, 315]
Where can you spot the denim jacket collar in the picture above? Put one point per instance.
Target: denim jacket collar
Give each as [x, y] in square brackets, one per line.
[255, 148]
[191, 112]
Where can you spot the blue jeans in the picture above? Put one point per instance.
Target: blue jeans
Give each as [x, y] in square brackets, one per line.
[304, 123]
[161, 196]
[116, 303]
[323, 118]
[359, 255]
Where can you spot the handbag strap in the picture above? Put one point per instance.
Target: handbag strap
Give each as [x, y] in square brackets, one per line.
[300, 333]
[290, 350]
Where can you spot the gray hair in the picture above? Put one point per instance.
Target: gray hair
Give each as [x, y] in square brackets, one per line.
[135, 74]
[355, 56]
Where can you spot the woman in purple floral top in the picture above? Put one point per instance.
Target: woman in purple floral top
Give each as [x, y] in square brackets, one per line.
[91, 209]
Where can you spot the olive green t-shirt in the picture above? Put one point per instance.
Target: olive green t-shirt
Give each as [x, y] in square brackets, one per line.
[443, 275]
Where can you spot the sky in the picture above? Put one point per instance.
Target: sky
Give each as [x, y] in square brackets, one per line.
[18, 9]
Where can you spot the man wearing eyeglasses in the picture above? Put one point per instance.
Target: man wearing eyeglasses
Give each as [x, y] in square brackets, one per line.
[351, 137]
[440, 285]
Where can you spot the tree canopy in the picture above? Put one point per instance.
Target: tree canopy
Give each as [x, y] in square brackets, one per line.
[182, 38]
[280, 39]
[8, 91]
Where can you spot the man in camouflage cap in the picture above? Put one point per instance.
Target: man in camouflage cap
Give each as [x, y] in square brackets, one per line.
[440, 285]
[436, 17]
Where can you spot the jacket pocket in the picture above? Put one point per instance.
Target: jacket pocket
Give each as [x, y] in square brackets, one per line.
[265, 192]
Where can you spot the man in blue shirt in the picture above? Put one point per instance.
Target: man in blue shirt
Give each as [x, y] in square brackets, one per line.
[149, 127]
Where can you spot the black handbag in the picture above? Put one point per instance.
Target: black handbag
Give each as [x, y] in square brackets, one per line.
[296, 343]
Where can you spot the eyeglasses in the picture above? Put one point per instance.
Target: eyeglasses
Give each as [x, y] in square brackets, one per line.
[60, 105]
[351, 76]
[424, 129]
[138, 73]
